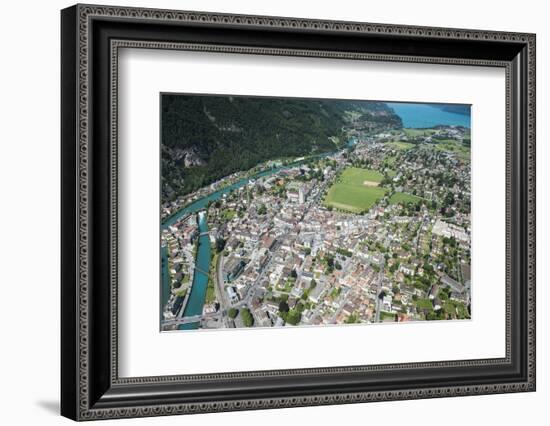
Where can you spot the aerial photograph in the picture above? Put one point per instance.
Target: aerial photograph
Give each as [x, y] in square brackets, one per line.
[293, 212]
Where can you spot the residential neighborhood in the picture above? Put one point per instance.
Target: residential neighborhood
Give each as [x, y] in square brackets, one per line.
[376, 231]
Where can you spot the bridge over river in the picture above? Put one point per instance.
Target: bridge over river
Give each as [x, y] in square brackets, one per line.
[191, 319]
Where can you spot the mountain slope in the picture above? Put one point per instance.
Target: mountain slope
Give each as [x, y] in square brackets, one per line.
[207, 137]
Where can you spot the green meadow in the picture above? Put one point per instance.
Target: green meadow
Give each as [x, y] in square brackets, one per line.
[401, 197]
[401, 146]
[413, 133]
[450, 145]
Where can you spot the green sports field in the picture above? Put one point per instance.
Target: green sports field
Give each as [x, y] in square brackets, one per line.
[355, 190]
[357, 176]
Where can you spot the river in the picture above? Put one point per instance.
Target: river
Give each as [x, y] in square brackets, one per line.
[196, 299]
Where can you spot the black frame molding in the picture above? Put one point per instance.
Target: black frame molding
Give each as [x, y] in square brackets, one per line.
[90, 38]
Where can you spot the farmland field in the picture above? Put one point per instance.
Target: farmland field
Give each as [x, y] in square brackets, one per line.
[355, 190]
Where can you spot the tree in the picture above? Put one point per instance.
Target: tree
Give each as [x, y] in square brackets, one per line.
[449, 199]
[293, 317]
[330, 262]
[283, 306]
[246, 316]
[262, 209]
[352, 319]
[293, 273]
[344, 252]
[232, 313]
[220, 244]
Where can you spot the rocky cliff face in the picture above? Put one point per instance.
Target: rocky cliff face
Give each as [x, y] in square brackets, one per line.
[186, 157]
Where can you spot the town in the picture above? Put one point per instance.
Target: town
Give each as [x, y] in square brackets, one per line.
[377, 231]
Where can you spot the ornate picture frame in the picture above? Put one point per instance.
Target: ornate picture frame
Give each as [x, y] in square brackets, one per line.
[91, 37]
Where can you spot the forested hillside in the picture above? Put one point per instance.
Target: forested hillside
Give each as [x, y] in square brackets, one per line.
[207, 137]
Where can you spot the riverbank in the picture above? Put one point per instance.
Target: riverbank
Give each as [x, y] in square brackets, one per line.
[211, 288]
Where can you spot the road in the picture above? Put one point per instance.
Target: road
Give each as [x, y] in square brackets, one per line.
[222, 294]
[379, 289]
[342, 300]
[247, 299]
[418, 231]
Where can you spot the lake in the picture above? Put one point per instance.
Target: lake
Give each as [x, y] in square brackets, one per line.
[419, 116]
